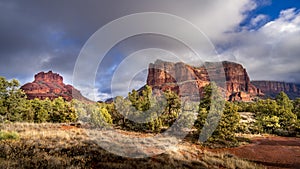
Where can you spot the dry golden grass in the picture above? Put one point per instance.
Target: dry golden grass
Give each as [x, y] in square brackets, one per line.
[50, 145]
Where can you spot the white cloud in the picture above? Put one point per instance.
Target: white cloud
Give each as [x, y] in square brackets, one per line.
[219, 17]
[288, 22]
[258, 19]
[271, 52]
[288, 14]
[91, 93]
[103, 96]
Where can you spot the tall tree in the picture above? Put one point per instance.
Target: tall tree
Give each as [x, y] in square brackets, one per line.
[296, 109]
[13, 102]
[283, 100]
[173, 102]
[217, 119]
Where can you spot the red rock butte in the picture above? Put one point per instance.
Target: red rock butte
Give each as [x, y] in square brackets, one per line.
[50, 85]
[188, 80]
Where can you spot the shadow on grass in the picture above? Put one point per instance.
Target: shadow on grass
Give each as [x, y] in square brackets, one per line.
[19, 154]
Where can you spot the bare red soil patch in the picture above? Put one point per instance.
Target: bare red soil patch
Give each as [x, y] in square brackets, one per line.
[271, 151]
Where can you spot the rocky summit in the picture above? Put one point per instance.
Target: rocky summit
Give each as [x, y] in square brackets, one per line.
[50, 85]
[188, 80]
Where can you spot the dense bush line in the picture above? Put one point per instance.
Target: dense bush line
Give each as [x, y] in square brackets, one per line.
[15, 107]
[145, 111]
[275, 116]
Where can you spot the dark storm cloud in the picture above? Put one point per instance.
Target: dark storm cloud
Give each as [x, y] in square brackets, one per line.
[48, 35]
[35, 34]
[45, 35]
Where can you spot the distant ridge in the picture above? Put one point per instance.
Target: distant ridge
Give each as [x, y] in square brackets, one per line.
[272, 88]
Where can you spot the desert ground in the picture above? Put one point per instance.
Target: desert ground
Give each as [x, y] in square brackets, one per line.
[49, 145]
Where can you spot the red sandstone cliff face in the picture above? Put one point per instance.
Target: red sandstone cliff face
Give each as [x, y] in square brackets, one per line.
[50, 85]
[188, 80]
[272, 88]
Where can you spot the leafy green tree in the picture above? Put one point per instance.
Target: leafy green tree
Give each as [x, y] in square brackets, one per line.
[287, 118]
[216, 116]
[228, 123]
[276, 115]
[62, 111]
[264, 117]
[100, 117]
[283, 100]
[172, 108]
[81, 110]
[47, 106]
[28, 112]
[205, 101]
[146, 98]
[246, 106]
[123, 108]
[270, 123]
[70, 113]
[141, 102]
[17, 106]
[147, 111]
[173, 102]
[117, 118]
[267, 107]
[58, 110]
[187, 115]
[296, 107]
[40, 112]
[135, 99]
[106, 115]
[209, 99]
[13, 103]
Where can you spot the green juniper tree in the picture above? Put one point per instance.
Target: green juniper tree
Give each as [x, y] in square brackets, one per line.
[296, 107]
[13, 103]
[276, 116]
[216, 117]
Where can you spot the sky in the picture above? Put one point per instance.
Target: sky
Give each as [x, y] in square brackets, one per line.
[263, 36]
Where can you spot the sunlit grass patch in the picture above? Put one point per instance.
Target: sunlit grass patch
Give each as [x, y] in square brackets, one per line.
[7, 135]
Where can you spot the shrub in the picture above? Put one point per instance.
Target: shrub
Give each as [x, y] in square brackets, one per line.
[246, 106]
[100, 117]
[143, 111]
[8, 135]
[276, 115]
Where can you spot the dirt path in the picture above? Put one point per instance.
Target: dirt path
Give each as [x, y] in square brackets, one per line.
[272, 151]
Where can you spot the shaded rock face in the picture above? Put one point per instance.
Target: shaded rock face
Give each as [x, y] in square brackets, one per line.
[272, 88]
[187, 80]
[50, 85]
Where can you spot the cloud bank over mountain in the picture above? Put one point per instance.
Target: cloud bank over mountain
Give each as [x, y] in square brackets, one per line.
[41, 36]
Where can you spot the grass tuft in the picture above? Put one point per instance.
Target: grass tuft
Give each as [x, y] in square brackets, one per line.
[6, 135]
